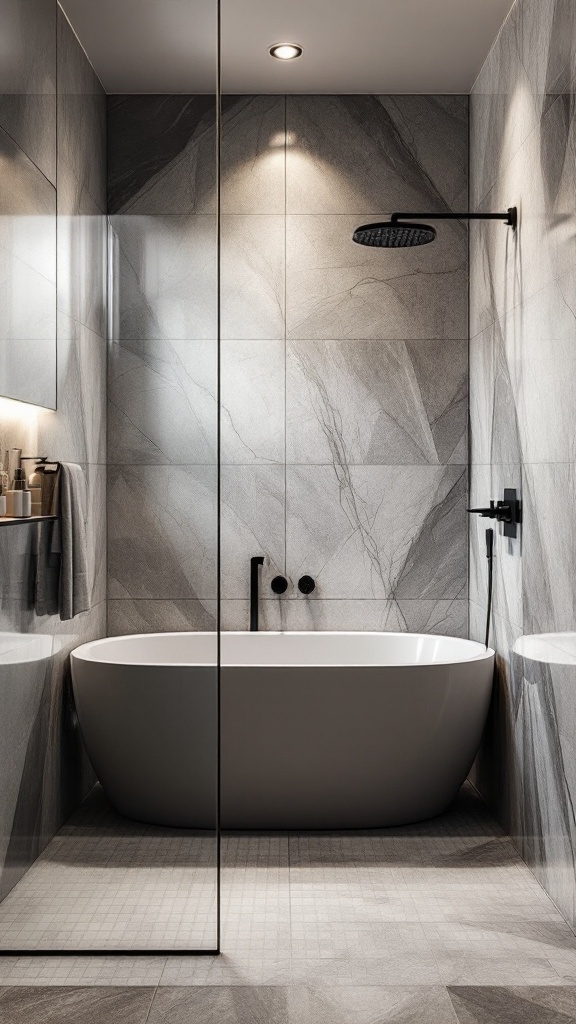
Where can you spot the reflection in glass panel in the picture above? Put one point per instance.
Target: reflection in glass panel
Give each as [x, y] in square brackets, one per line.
[108, 821]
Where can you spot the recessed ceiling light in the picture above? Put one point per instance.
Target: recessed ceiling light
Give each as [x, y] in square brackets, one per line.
[285, 51]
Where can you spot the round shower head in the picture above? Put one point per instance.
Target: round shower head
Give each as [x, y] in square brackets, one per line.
[394, 234]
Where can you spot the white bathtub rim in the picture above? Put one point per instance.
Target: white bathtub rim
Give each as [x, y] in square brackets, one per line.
[478, 651]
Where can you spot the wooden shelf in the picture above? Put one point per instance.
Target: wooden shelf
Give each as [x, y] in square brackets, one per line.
[9, 521]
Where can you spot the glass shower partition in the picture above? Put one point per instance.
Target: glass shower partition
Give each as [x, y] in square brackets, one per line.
[110, 816]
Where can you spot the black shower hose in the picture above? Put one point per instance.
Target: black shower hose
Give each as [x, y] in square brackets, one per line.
[490, 557]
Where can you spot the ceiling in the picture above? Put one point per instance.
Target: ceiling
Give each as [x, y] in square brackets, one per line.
[350, 46]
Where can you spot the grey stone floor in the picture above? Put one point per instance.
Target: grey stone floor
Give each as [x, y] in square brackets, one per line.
[438, 922]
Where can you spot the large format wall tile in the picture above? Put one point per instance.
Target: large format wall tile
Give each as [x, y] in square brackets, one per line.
[162, 402]
[378, 531]
[337, 289]
[253, 276]
[366, 154]
[82, 264]
[374, 402]
[509, 267]
[172, 554]
[164, 277]
[127, 616]
[252, 523]
[253, 173]
[445, 617]
[28, 79]
[161, 154]
[81, 120]
[253, 430]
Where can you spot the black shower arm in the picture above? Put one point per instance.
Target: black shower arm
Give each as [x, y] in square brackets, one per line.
[510, 217]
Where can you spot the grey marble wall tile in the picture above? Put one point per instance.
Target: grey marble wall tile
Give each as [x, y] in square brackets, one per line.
[549, 547]
[549, 47]
[373, 402]
[253, 276]
[81, 118]
[171, 554]
[378, 531]
[82, 264]
[494, 385]
[252, 523]
[365, 154]
[252, 408]
[503, 81]
[78, 432]
[446, 617]
[253, 172]
[126, 616]
[509, 267]
[162, 402]
[522, 401]
[337, 289]
[161, 154]
[164, 277]
[28, 79]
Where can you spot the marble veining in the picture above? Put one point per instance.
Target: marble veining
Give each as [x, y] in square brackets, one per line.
[343, 373]
[522, 397]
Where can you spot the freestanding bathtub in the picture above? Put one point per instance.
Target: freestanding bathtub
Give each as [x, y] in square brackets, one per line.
[318, 730]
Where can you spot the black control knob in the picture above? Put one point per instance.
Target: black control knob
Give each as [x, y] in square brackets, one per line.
[279, 585]
[306, 585]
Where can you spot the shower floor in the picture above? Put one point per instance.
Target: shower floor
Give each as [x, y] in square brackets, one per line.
[447, 902]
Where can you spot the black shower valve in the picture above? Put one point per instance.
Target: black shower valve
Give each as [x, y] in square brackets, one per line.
[306, 585]
[506, 512]
[279, 584]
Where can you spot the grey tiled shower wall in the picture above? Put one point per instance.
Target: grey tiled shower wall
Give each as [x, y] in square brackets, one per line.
[523, 412]
[52, 119]
[344, 369]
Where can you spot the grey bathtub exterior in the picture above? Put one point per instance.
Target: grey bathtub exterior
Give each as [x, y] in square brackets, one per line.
[302, 747]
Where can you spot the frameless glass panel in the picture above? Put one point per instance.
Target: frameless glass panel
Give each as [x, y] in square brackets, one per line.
[109, 764]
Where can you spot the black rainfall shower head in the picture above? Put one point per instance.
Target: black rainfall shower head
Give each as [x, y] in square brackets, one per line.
[397, 234]
[394, 234]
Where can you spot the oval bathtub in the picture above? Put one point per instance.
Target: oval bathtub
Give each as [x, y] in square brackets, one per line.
[318, 730]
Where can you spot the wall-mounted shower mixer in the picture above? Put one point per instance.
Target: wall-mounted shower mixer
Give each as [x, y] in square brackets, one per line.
[507, 511]
[279, 585]
[306, 585]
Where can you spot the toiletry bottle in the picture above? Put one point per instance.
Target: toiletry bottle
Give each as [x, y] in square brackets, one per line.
[14, 457]
[18, 498]
[36, 482]
[3, 488]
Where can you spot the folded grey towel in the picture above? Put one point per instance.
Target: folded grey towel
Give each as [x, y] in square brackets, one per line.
[74, 593]
[62, 560]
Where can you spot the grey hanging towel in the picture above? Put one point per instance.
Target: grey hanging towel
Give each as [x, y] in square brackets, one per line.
[74, 589]
[49, 550]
